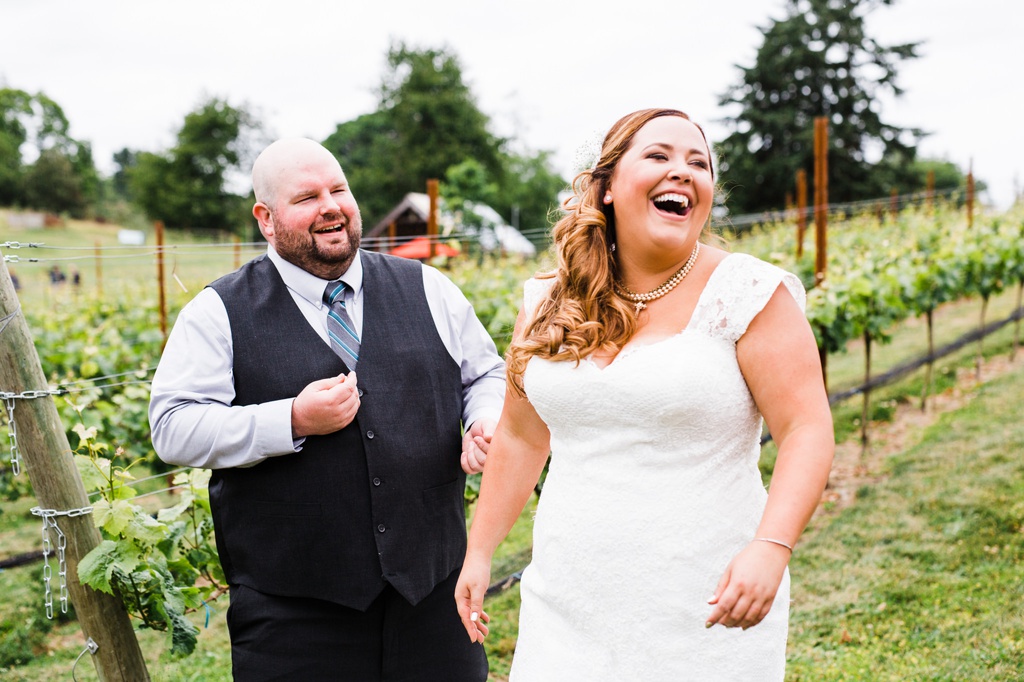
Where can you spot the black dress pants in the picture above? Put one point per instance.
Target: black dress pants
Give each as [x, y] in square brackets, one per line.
[296, 638]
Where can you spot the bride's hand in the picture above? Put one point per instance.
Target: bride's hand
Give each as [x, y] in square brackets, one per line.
[469, 597]
[748, 587]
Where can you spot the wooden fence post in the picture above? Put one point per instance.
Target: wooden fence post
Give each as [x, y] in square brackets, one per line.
[821, 215]
[929, 195]
[432, 217]
[970, 195]
[162, 294]
[801, 211]
[99, 269]
[43, 447]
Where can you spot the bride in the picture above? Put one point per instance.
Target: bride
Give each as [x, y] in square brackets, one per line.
[644, 365]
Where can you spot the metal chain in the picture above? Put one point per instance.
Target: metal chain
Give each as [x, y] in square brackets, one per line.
[12, 429]
[62, 566]
[12, 432]
[30, 395]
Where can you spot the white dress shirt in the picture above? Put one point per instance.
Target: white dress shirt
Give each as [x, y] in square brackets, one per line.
[192, 419]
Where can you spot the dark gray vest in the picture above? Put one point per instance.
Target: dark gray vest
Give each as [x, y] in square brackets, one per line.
[380, 501]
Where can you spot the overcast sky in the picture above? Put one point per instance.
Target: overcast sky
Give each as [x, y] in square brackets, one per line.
[554, 74]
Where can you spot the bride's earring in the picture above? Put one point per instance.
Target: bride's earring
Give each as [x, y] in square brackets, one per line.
[607, 198]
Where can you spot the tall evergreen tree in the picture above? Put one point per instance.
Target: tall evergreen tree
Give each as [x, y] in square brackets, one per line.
[816, 61]
[436, 120]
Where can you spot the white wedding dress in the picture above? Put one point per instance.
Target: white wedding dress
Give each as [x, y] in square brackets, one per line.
[652, 489]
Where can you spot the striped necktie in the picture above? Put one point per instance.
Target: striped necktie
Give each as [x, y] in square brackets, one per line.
[344, 340]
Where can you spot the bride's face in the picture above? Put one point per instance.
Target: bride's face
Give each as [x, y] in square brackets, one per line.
[662, 189]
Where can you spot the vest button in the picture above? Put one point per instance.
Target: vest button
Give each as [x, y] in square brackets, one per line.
[381, 528]
[369, 434]
[376, 481]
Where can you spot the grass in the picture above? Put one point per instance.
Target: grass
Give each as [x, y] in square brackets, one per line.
[194, 259]
[920, 579]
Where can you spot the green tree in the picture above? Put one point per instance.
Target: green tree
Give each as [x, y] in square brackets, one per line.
[528, 194]
[949, 179]
[468, 181]
[367, 148]
[436, 121]
[53, 184]
[15, 106]
[427, 125]
[126, 159]
[36, 126]
[816, 61]
[187, 186]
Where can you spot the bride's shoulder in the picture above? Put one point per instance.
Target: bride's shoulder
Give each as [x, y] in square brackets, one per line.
[536, 289]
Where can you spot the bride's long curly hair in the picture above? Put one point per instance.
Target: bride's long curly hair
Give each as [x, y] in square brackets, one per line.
[582, 313]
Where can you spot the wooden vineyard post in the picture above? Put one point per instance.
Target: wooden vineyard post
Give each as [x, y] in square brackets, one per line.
[432, 217]
[99, 270]
[801, 211]
[970, 195]
[42, 445]
[821, 216]
[162, 294]
[929, 193]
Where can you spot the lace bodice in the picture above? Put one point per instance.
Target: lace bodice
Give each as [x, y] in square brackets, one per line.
[653, 487]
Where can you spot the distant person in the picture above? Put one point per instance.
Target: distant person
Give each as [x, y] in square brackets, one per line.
[338, 504]
[14, 280]
[76, 277]
[57, 275]
[643, 365]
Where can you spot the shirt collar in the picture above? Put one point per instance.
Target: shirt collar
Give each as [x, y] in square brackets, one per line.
[309, 286]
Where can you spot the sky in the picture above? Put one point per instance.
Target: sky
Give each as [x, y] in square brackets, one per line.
[552, 74]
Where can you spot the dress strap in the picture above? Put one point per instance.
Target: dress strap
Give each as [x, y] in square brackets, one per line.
[739, 288]
[534, 292]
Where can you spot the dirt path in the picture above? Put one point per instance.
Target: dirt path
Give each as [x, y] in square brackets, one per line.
[852, 469]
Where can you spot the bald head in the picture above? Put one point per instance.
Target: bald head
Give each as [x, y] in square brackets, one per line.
[284, 158]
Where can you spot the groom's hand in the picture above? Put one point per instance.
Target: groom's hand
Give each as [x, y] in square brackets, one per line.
[475, 445]
[325, 406]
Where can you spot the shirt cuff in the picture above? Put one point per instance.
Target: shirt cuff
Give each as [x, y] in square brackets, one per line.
[274, 429]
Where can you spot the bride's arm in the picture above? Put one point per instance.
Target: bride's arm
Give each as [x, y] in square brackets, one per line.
[779, 360]
[518, 452]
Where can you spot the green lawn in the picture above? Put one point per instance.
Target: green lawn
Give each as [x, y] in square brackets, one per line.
[921, 578]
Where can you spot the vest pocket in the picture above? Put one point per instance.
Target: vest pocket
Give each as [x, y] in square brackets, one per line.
[441, 494]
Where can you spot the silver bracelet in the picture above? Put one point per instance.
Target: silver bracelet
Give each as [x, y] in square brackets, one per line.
[776, 542]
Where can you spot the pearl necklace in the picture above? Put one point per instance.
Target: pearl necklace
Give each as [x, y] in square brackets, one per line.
[641, 300]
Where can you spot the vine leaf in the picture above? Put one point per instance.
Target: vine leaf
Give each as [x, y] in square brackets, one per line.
[97, 568]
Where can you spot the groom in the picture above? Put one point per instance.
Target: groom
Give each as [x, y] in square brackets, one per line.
[337, 500]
